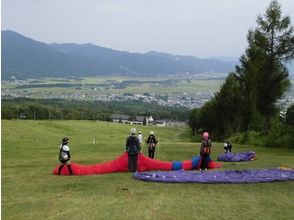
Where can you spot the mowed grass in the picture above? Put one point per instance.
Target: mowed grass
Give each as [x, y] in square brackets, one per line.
[30, 191]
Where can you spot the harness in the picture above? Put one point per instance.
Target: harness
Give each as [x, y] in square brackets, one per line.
[151, 143]
[63, 155]
[207, 147]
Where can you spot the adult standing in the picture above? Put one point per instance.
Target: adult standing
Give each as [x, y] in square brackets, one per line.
[151, 142]
[205, 150]
[133, 148]
[64, 156]
[140, 137]
[228, 146]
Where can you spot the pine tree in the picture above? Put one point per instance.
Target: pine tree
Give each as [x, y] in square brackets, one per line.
[247, 100]
[262, 72]
[228, 106]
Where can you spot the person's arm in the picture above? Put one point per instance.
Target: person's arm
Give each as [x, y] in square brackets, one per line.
[68, 154]
[210, 145]
[201, 146]
[127, 144]
[139, 145]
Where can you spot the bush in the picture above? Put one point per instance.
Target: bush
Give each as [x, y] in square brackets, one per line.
[275, 138]
[196, 138]
[250, 137]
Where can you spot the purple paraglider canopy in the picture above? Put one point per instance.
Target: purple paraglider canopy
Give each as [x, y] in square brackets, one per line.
[237, 157]
[227, 176]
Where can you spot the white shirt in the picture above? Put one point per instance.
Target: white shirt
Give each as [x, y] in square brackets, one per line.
[140, 137]
[65, 147]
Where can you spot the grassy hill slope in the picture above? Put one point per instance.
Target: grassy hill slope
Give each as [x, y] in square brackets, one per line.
[30, 191]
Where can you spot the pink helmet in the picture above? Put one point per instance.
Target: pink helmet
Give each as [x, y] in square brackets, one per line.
[205, 135]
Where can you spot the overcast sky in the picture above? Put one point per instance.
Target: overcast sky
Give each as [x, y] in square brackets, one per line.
[201, 28]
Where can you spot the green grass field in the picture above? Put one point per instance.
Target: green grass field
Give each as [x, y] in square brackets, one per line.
[30, 191]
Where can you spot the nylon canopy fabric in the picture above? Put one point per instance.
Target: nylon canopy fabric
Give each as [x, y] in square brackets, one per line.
[120, 164]
[237, 157]
[228, 176]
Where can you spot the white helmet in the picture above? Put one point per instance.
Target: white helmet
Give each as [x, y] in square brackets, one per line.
[133, 130]
[151, 132]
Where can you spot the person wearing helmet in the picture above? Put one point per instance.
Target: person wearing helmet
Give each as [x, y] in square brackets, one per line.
[228, 146]
[133, 148]
[64, 156]
[151, 142]
[140, 137]
[205, 150]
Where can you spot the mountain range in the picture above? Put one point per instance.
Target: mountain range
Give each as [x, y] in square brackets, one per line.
[23, 57]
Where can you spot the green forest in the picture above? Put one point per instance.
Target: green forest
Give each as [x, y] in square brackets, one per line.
[60, 109]
[245, 109]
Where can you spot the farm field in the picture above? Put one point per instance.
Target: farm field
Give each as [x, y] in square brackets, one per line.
[188, 91]
[116, 84]
[30, 191]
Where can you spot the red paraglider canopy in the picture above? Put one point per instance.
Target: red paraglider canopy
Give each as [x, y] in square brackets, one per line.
[120, 164]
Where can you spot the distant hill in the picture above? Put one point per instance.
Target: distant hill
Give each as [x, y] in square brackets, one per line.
[24, 57]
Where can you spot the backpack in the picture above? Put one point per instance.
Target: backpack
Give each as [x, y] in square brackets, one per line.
[133, 148]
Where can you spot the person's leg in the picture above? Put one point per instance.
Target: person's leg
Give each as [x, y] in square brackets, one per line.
[202, 161]
[135, 164]
[149, 152]
[60, 168]
[153, 152]
[206, 161]
[68, 164]
[130, 163]
[69, 169]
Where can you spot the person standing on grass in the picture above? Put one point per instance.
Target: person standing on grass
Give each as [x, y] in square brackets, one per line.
[64, 156]
[205, 150]
[151, 142]
[140, 137]
[228, 146]
[133, 148]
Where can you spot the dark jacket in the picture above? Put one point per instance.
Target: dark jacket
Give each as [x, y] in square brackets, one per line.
[151, 139]
[133, 145]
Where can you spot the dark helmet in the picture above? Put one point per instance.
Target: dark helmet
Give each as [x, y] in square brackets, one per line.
[65, 140]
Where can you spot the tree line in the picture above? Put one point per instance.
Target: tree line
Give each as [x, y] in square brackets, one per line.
[59, 109]
[247, 101]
